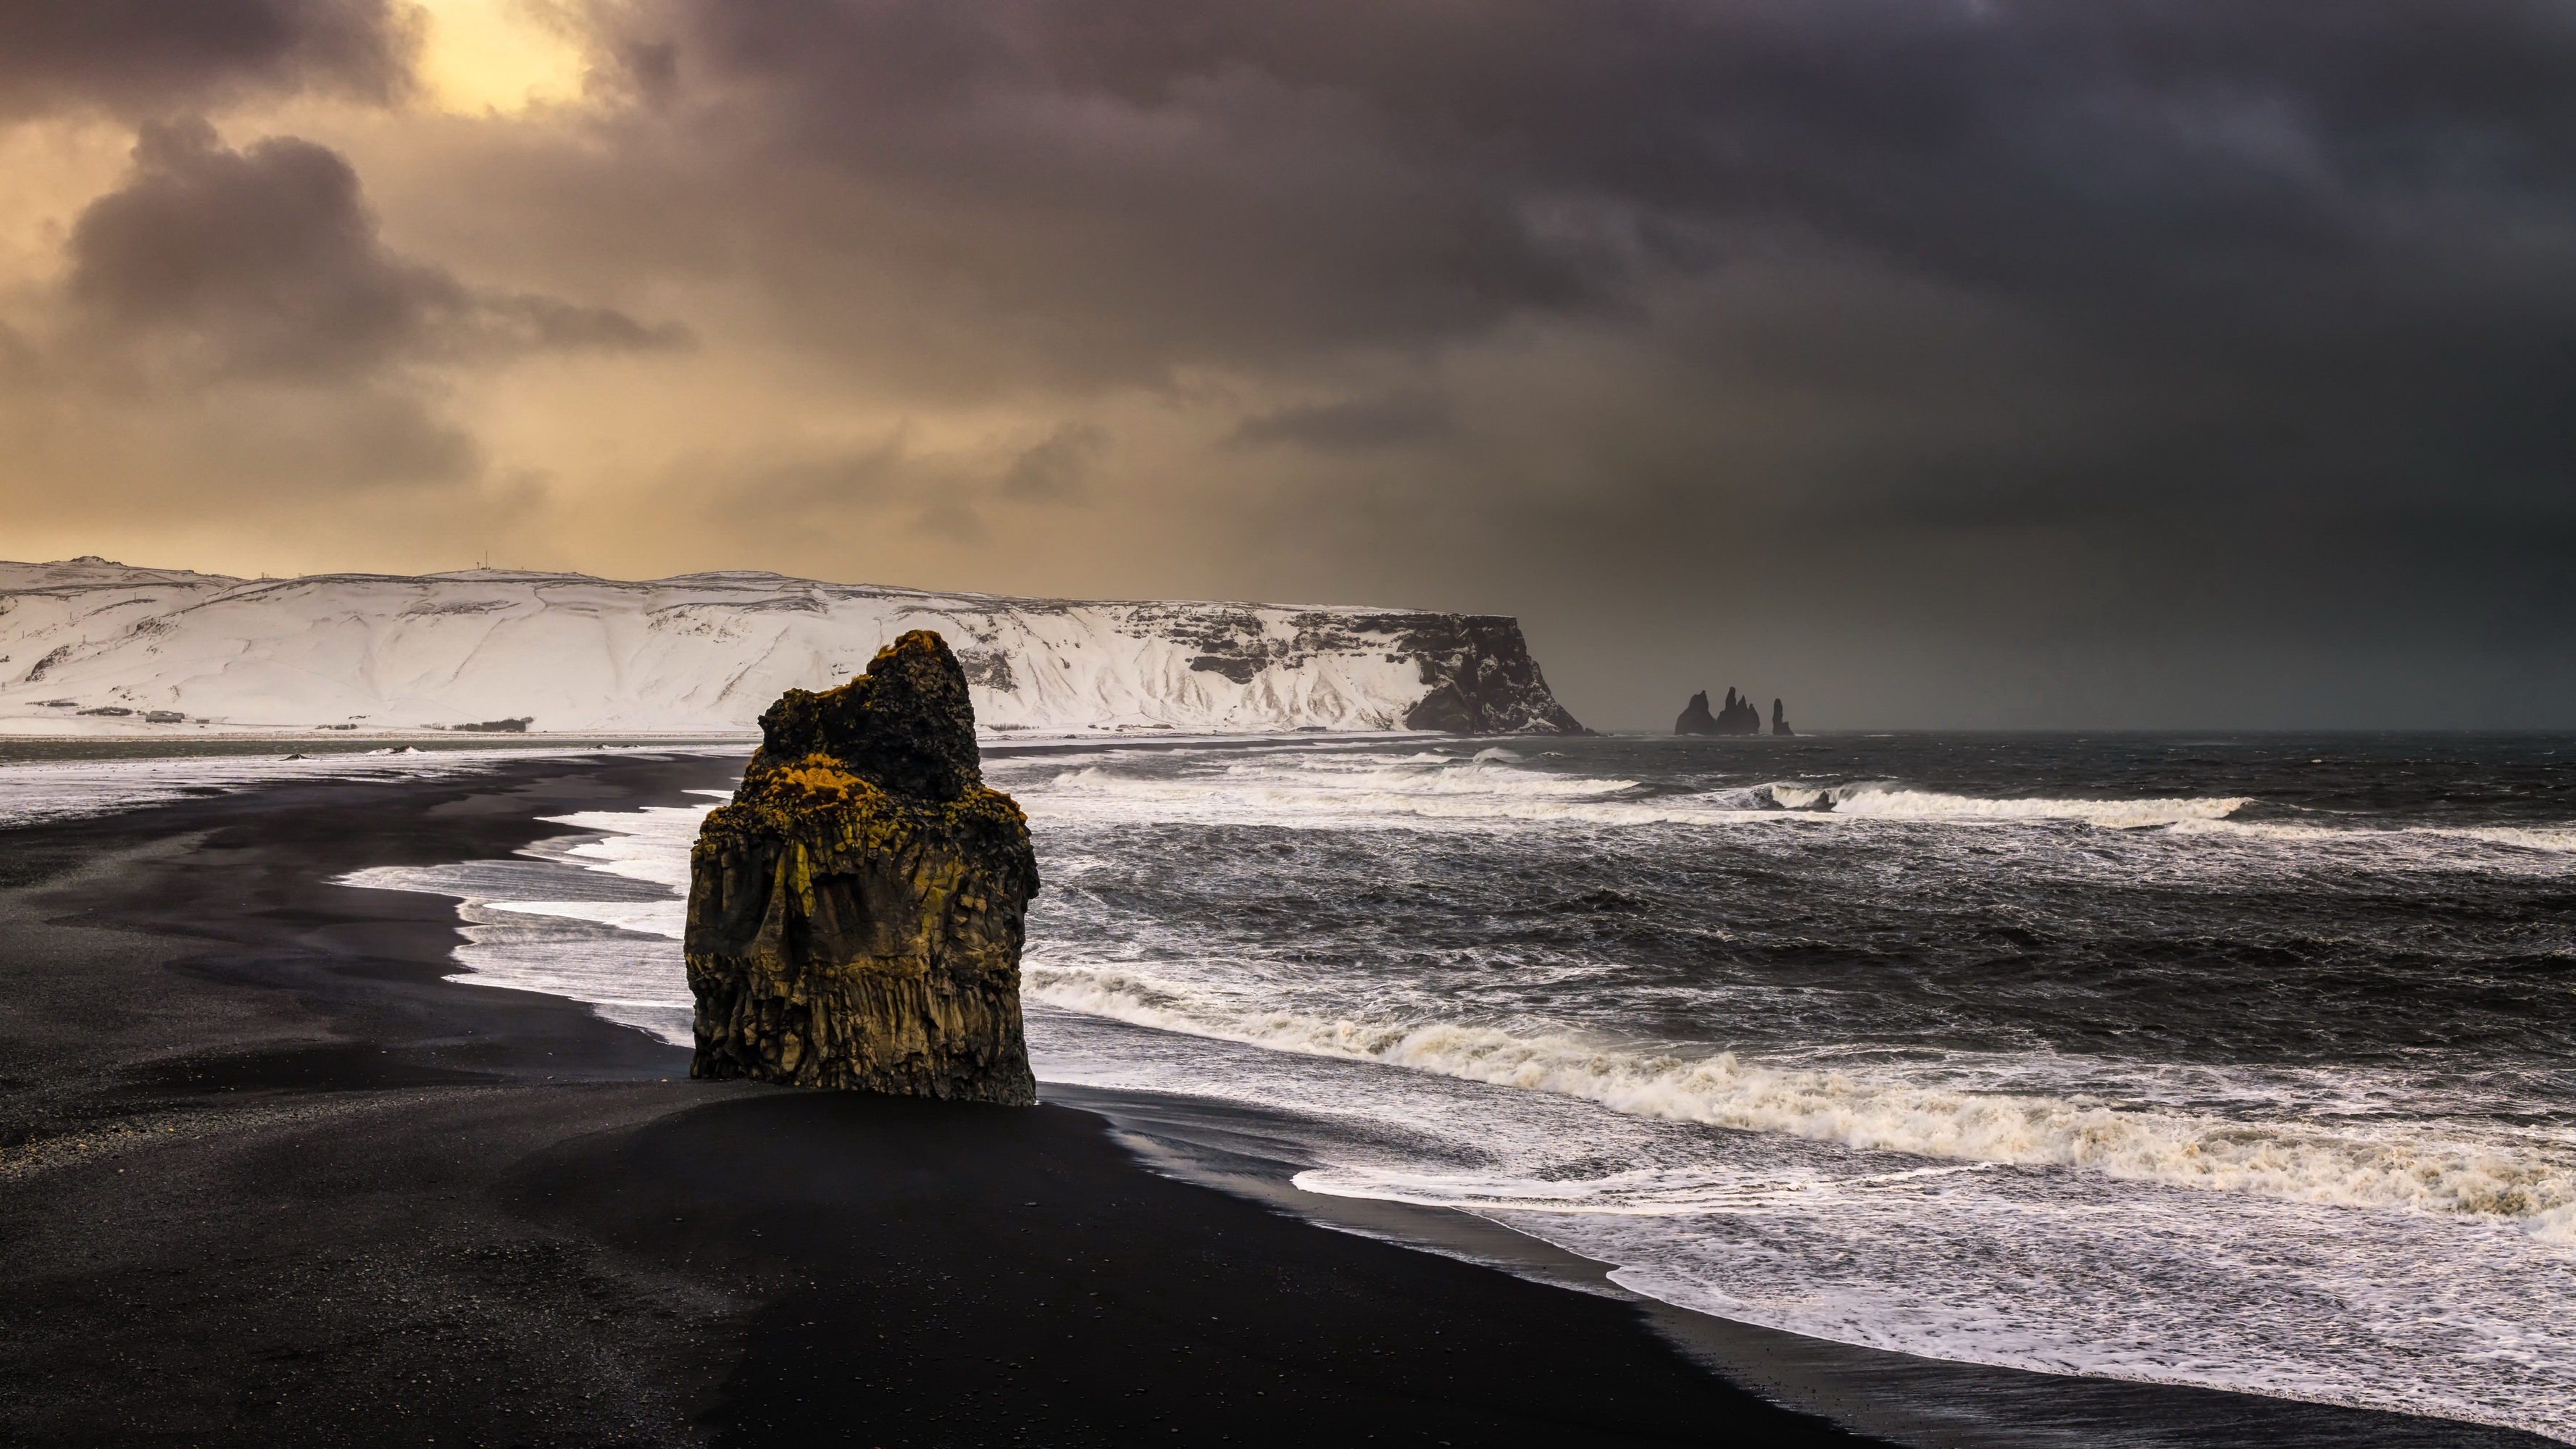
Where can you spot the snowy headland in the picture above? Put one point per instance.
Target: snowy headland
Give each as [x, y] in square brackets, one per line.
[91, 647]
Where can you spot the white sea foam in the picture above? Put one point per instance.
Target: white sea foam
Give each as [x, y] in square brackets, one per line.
[648, 918]
[631, 972]
[1436, 789]
[1887, 802]
[2506, 850]
[630, 977]
[651, 844]
[1355, 791]
[2333, 1163]
[78, 790]
[1304, 787]
[1643, 1192]
[2554, 842]
[2042, 1268]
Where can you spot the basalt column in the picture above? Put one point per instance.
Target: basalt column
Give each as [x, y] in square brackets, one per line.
[856, 914]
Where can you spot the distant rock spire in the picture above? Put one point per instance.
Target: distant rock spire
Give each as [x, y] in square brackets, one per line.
[1695, 719]
[1739, 716]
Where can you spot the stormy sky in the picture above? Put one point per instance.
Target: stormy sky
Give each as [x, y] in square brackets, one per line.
[1949, 363]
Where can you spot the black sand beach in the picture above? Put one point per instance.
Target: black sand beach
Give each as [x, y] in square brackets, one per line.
[266, 1178]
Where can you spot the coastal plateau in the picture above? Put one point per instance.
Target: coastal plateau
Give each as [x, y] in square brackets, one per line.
[89, 646]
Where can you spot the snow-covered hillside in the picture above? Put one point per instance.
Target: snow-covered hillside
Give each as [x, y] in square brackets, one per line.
[93, 647]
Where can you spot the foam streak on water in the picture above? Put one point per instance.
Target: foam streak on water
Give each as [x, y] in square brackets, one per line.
[2245, 1064]
[53, 789]
[597, 918]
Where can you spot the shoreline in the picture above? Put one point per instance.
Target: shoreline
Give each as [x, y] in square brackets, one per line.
[287, 1185]
[1893, 1396]
[332, 1197]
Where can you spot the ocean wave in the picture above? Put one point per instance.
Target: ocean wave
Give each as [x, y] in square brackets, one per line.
[1377, 788]
[2343, 1165]
[1645, 1192]
[647, 844]
[1885, 801]
[668, 919]
[2507, 849]
[1380, 790]
[1358, 791]
[2555, 841]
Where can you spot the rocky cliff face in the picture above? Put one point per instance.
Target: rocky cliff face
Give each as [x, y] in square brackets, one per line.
[90, 646]
[856, 914]
[1480, 676]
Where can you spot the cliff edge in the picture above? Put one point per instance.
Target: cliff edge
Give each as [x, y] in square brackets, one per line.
[856, 914]
[1481, 678]
[89, 647]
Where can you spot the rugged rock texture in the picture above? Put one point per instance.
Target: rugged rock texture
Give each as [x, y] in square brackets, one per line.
[1740, 717]
[856, 914]
[1481, 676]
[1695, 718]
[1780, 720]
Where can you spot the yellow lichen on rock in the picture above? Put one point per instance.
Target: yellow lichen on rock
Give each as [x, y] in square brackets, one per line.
[856, 914]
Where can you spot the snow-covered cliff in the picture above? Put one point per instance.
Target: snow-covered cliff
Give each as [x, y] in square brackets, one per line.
[90, 646]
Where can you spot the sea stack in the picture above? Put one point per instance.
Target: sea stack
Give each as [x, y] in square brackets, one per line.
[856, 914]
[1740, 716]
[1695, 718]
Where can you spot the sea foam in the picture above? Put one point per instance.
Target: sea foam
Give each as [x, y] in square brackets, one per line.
[615, 946]
[2348, 1164]
[1890, 802]
[1437, 789]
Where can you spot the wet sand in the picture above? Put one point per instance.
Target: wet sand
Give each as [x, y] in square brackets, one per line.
[267, 1178]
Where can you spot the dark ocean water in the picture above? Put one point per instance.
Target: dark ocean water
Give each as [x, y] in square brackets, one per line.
[2244, 1062]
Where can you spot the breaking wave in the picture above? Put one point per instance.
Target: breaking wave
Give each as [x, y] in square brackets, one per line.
[1894, 802]
[2555, 842]
[1652, 1192]
[1434, 788]
[2341, 1165]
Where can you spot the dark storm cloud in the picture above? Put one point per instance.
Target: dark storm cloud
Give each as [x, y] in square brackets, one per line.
[231, 335]
[953, 184]
[1920, 345]
[146, 57]
[265, 263]
[1350, 426]
[2131, 320]
[2207, 238]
